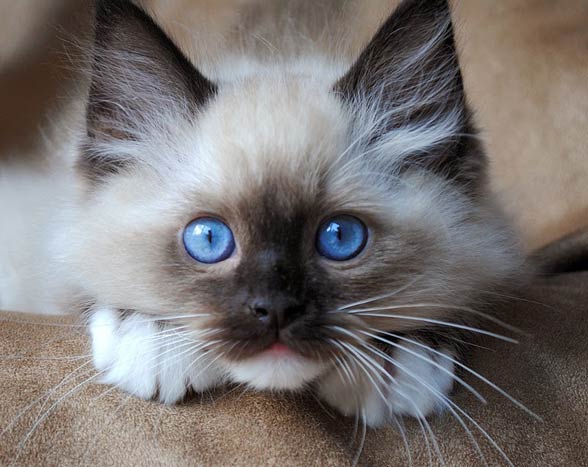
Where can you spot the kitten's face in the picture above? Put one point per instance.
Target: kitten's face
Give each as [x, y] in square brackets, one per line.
[278, 159]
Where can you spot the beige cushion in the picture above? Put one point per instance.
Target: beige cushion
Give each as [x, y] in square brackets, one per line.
[89, 424]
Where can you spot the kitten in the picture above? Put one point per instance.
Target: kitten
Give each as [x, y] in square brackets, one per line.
[298, 226]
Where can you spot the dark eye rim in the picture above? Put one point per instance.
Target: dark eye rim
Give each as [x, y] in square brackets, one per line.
[231, 250]
[360, 249]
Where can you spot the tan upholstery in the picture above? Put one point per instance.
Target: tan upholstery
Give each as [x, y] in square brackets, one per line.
[91, 425]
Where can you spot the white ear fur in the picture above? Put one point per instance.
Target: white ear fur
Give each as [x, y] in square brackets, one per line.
[406, 95]
[141, 84]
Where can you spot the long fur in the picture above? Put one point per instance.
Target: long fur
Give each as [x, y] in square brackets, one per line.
[388, 138]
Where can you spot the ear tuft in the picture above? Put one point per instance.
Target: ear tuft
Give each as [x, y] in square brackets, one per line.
[140, 82]
[406, 86]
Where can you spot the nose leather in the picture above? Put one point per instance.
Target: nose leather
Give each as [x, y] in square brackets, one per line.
[276, 312]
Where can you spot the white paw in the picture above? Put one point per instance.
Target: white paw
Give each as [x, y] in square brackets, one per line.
[139, 356]
[417, 384]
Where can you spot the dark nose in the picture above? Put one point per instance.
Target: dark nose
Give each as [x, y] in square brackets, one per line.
[275, 313]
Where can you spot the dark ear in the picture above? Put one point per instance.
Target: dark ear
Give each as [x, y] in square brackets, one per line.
[408, 79]
[138, 78]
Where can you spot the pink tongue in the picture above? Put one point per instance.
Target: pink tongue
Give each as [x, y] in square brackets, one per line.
[279, 348]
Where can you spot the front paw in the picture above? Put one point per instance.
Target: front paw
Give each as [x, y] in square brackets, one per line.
[139, 355]
[410, 382]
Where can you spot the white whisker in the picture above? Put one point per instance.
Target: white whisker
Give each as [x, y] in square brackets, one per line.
[192, 347]
[442, 305]
[386, 357]
[444, 323]
[451, 405]
[430, 361]
[379, 297]
[402, 431]
[352, 385]
[48, 412]
[469, 370]
[362, 438]
[379, 371]
[448, 403]
[25, 357]
[46, 395]
[354, 351]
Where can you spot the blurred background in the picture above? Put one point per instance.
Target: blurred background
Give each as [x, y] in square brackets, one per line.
[525, 65]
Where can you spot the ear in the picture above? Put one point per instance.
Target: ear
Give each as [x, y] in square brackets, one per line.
[406, 86]
[140, 80]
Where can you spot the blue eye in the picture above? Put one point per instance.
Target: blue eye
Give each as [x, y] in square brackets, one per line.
[208, 240]
[341, 238]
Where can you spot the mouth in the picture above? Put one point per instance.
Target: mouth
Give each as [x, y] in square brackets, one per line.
[276, 367]
[305, 343]
[289, 349]
[279, 349]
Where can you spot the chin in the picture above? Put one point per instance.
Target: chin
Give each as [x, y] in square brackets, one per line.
[278, 372]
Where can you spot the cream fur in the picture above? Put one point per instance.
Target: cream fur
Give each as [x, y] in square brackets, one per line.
[269, 123]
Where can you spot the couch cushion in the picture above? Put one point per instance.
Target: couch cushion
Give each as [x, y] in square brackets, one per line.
[74, 422]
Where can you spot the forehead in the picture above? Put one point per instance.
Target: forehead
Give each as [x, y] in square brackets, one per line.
[268, 138]
[277, 147]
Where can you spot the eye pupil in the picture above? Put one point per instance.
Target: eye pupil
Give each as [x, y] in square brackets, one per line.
[341, 238]
[208, 240]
